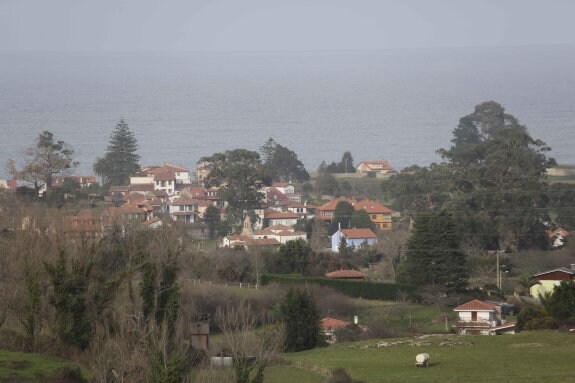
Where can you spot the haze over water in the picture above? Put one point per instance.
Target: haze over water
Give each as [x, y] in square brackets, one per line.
[399, 105]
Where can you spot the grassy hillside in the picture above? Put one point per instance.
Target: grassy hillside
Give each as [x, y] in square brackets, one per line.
[26, 367]
[522, 358]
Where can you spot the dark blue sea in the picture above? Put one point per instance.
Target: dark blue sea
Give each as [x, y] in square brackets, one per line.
[399, 105]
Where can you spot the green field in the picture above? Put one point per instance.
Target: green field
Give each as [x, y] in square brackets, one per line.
[26, 367]
[525, 357]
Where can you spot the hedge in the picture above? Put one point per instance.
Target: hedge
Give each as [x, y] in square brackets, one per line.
[352, 288]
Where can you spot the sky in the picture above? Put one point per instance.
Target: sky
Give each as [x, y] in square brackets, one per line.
[280, 25]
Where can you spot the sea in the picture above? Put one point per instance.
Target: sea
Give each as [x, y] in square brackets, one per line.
[398, 105]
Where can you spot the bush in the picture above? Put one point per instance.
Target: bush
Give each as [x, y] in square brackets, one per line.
[354, 289]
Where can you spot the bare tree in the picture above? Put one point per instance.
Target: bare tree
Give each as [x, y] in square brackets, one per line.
[391, 245]
[243, 340]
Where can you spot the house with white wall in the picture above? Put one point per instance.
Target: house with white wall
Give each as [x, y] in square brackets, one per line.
[481, 318]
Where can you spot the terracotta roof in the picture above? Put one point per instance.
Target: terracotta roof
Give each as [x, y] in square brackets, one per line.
[331, 205]
[165, 176]
[358, 233]
[328, 324]
[183, 201]
[354, 274]
[272, 214]
[476, 305]
[290, 233]
[119, 188]
[280, 184]
[127, 209]
[372, 207]
[264, 232]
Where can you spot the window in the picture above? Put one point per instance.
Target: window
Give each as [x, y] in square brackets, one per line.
[373, 216]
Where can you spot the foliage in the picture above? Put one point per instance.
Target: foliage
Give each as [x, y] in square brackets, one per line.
[282, 164]
[341, 216]
[238, 175]
[325, 183]
[433, 257]
[355, 289]
[345, 165]
[492, 180]
[293, 257]
[121, 160]
[48, 158]
[69, 296]
[302, 321]
[214, 222]
[561, 197]
[360, 220]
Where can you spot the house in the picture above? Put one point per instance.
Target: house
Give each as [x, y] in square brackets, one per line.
[273, 217]
[169, 177]
[379, 214]
[248, 242]
[374, 168]
[481, 318]
[184, 210]
[327, 210]
[10, 185]
[281, 233]
[85, 222]
[287, 190]
[346, 274]
[330, 325]
[546, 281]
[354, 238]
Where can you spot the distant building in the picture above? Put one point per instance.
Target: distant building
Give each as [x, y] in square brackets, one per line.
[354, 238]
[374, 168]
[546, 281]
[10, 185]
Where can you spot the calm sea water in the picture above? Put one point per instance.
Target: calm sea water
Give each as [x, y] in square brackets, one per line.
[396, 105]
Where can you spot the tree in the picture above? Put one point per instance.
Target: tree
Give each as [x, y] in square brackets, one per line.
[492, 180]
[47, 159]
[282, 164]
[121, 160]
[301, 317]
[213, 221]
[294, 257]
[238, 325]
[238, 175]
[341, 216]
[360, 220]
[433, 256]
[345, 165]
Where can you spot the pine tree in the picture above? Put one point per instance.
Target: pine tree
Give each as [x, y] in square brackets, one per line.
[121, 160]
[433, 256]
[301, 317]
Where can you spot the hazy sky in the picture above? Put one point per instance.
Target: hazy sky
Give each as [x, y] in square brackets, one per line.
[281, 24]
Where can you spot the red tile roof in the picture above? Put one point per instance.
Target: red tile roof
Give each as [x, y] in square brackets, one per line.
[372, 207]
[379, 164]
[358, 233]
[343, 274]
[272, 214]
[183, 201]
[476, 305]
[279, 227]
[331, 205]
[329, 324]
[165, 176]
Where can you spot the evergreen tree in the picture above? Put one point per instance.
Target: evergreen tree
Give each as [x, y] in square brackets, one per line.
[360, 220]
[341, 216]
[294, 257]
[121, 160]
[282, 164]
[433, 256]
[301, 317]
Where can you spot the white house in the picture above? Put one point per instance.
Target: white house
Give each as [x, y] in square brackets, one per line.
[482, 318]
[184, 210]
[354, 238]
